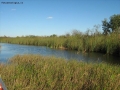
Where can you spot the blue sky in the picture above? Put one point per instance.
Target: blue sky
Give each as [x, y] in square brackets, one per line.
[47, 17]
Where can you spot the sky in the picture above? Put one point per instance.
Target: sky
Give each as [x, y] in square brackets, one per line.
[48, 17]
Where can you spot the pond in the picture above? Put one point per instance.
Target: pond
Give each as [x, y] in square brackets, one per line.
[9, 50]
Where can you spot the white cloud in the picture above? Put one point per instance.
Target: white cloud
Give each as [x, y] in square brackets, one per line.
[49, 17]
[13, 9]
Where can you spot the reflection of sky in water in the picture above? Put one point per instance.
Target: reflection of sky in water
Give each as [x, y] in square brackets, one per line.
[9, 50]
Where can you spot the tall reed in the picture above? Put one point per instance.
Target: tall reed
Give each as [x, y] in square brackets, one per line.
[35, 72]
[109, 44]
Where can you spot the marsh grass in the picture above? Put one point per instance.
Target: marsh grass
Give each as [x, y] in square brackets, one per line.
[109, 44]
[35, 72]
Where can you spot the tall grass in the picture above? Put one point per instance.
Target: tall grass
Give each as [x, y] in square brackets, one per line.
[109, 44]
[35, 72]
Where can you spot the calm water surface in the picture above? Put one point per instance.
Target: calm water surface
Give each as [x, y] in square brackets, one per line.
[9, 50]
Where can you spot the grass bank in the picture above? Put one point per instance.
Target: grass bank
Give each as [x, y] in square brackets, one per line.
[109, 44]
[35, 72]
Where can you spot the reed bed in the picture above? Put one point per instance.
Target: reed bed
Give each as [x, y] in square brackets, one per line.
[109, 44]
[35, 72]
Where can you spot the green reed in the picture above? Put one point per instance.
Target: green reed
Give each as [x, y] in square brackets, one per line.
[109, 44]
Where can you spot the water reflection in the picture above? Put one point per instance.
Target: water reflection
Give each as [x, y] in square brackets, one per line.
[9, 50]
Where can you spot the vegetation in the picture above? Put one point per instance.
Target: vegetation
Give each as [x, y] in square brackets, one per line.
[95, 42]
[92, 40]
[35, 72]
[111, 26]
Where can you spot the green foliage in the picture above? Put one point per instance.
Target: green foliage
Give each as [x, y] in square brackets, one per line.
[105, 26]
[95, 42]
[113, 25]
[54, 35]
[35, 72]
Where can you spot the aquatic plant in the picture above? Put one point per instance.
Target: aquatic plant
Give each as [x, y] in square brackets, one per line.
[109, 44]
[35, 72]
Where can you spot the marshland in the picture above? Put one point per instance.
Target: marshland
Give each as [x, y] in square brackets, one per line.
[34, 71]
[96, 42]
[32, 62]
[50, 73]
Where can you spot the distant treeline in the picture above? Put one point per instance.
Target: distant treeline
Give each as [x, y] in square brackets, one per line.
[95, 42]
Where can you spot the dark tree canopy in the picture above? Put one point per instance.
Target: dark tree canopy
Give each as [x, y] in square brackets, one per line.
[115, 22]
[105, 26]
[113, 25]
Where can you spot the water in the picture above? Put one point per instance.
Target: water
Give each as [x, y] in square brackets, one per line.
[9, 50]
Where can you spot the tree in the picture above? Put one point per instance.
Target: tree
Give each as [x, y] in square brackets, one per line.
[95, 31]
[54, 35]
[113, 25]
[76, 33]
[105, 26]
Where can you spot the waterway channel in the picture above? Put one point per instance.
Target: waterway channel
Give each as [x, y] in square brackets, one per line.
[9, 50]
